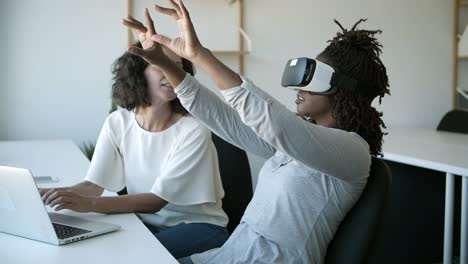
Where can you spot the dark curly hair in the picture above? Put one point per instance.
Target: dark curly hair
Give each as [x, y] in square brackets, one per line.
[356, 53]
[129, 89]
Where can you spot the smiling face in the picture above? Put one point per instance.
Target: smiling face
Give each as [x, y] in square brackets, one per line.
[312, 105]
[158, 87]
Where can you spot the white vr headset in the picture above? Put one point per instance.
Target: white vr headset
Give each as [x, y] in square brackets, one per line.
[314, 76]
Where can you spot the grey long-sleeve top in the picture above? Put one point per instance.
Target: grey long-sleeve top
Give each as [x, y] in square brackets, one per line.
[313, 177]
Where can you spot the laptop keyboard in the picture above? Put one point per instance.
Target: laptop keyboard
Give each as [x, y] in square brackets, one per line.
[64, 231]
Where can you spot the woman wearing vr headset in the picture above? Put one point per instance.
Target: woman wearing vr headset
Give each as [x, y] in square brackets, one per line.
[319, 159]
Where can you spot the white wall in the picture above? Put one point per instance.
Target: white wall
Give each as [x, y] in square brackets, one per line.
[61, 89]
[55, 75]
[417, 39]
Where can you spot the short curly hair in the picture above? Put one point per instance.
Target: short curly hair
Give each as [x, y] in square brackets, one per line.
[356, 53]
[130, 89]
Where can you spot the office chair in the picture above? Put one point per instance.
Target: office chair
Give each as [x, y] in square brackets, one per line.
[355, 236]
[454, 121]
[237, 181]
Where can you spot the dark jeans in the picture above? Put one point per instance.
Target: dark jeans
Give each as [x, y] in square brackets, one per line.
[184, 240]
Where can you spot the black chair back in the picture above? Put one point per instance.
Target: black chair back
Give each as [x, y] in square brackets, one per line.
[354, 238]
[454, 121]
[237, 181]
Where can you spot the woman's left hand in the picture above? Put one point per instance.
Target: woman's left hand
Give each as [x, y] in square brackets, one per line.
[152, 51]
[186, 45]
[69, 199]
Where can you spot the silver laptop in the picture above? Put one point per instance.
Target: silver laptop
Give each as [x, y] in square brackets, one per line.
[22, 213]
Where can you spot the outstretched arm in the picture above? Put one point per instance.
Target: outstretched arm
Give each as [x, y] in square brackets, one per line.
[315, 146]
[221, 119]
[135, 203]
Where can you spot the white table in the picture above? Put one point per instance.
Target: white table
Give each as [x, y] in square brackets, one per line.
[440, 151]
[134, 243]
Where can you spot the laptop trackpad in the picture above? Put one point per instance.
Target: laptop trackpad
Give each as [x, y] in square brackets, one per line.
[67, 219]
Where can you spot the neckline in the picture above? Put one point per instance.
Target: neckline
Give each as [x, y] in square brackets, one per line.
[140, 128]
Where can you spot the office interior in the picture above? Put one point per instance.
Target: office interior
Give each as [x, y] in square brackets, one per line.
[56, 79]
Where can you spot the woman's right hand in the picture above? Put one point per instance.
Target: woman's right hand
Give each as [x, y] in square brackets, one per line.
[84, 188]
[187, 44]
[47, 194]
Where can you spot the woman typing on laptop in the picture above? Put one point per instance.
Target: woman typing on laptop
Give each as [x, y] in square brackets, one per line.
[162, 155]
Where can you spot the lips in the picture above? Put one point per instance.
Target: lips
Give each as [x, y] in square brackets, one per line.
[299, 99]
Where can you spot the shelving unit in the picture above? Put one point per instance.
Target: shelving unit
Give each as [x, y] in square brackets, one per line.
[459, 99]
[241, 53]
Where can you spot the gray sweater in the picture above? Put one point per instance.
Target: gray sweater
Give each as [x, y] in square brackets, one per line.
[313, 177]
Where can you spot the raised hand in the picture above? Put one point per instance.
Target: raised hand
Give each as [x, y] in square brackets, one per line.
[152, 51]
[187, 44]
[144, 33]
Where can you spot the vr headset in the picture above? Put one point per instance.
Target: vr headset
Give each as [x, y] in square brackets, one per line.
[314, 76]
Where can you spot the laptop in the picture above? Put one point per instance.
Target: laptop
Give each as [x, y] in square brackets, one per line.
[22, 213]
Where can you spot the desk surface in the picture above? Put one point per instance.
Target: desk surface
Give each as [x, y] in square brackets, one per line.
[431, 149]
[62, 159]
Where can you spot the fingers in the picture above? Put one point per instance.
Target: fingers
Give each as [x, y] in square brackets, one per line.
[149, 22]
[60, 200]
[42, 191]
[176, 7]
[183, 10]
[137, 51]
[163, 40]
[167, 11]
[134, 24]
[49, 192]
[70, 206]
[61, 207]
[54, 196]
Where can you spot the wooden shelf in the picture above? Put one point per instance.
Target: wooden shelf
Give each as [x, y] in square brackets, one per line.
[463, 3]
[463, 58]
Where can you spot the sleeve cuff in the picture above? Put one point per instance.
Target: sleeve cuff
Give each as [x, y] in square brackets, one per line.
[247, 86]
[234, 91]
[185, 86]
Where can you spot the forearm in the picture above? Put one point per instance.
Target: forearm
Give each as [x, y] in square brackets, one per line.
[173, 73]
[220, 118]
[222, 75]
[135, 203]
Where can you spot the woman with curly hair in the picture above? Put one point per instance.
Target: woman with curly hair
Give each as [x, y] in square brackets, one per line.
[319, 158]
[161, 154]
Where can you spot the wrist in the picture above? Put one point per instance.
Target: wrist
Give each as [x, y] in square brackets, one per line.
[201, 56]
[162, 61]
[92, 204]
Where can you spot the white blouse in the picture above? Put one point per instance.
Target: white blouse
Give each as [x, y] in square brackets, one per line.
[179, 164]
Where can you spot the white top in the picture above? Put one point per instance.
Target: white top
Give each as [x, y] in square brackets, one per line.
[304, 191]
[179, 164]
